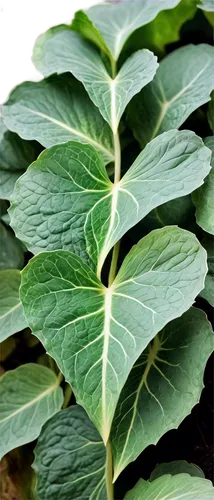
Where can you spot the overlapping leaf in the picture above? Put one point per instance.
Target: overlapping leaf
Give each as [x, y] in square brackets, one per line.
[167, 102]
[94, 333]
[208, 292]
[70, 447]
[206, 5]
[11, 250]
[168, 376]
[176, 467]
[60, 49]
[30, 395]
[57, 110]
[117, 22]
[12, 318]
[172, 488]
[66, 201]
[203, 198]
[15, 156]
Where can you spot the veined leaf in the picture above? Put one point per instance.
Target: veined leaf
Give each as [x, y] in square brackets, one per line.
[94, 333]
[208, 292]
[203, 198]
[60, 49]
[83, 25]
[66, 200]
[167, 102]
[177, 467]
[11, 250]
[15, 156]
[57, 110]
[117, 22]
[70, 447]
[172, 488]
[164, 385]
[30, 395]
[12, 318]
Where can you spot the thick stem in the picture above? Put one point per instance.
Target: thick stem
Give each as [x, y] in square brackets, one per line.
[109, 484]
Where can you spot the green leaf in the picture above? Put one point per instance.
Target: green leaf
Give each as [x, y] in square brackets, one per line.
[206, 5]
[66, 200]
[164, 29]
[15, 156]
[12, 318]
[210, 113]
[203, 198]
[57, 110]
[208, 292]
[117, 22]
[178, 467]
[30, 395]
[164, 385]
[173, 488]
[60, 49]
[70, 458]
[94, 333]
[11, 250]
[83, 25]
[167, 102]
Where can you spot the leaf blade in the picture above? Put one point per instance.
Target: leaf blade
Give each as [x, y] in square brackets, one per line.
[12, 318]
[203, 198]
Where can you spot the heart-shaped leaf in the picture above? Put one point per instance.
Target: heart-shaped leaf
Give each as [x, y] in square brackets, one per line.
[12, 318]
[15, 156]
[173, 488]
[163, 387]
[203, 198]
[167, 102]
[60, 49]
[30, 395]
[70, 447]
[57, 110]
[94, 333]
[117, 22]
[66, 200]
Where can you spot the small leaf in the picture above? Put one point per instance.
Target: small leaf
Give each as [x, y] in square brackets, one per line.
[83, 25]
[203, 198]
[66, 200]
[70, 447]
[15, 156]
[95, 334]
[167, 102]
[60, 49]
[208, 292]
[11, 250]
[12, 318]
[172, 488]
[117, 22]
[163, 387]
[57, 110]
[178, 467]
[30, 395]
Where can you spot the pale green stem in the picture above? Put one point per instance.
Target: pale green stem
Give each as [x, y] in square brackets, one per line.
[113, 267]
[67, 395]
[60, 378]
[52, 364]
[109, 484]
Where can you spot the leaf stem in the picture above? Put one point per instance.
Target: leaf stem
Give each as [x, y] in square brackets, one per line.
[67, 395]
[108, 472]
[60, 378]
[113, 267]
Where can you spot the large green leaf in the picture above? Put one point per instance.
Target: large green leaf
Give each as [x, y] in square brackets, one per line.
[173, 488]
[203, 198]
[70, 458]
[177, 467]
[164, 29]
[60, 49]
[94, 333]
[164, 385]
[208, 292]
[117, 22]
[66, 201]
[15, 156]
[30, 395]
[57, 110]
[183, 82]
[12, 318]
[11, 250]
